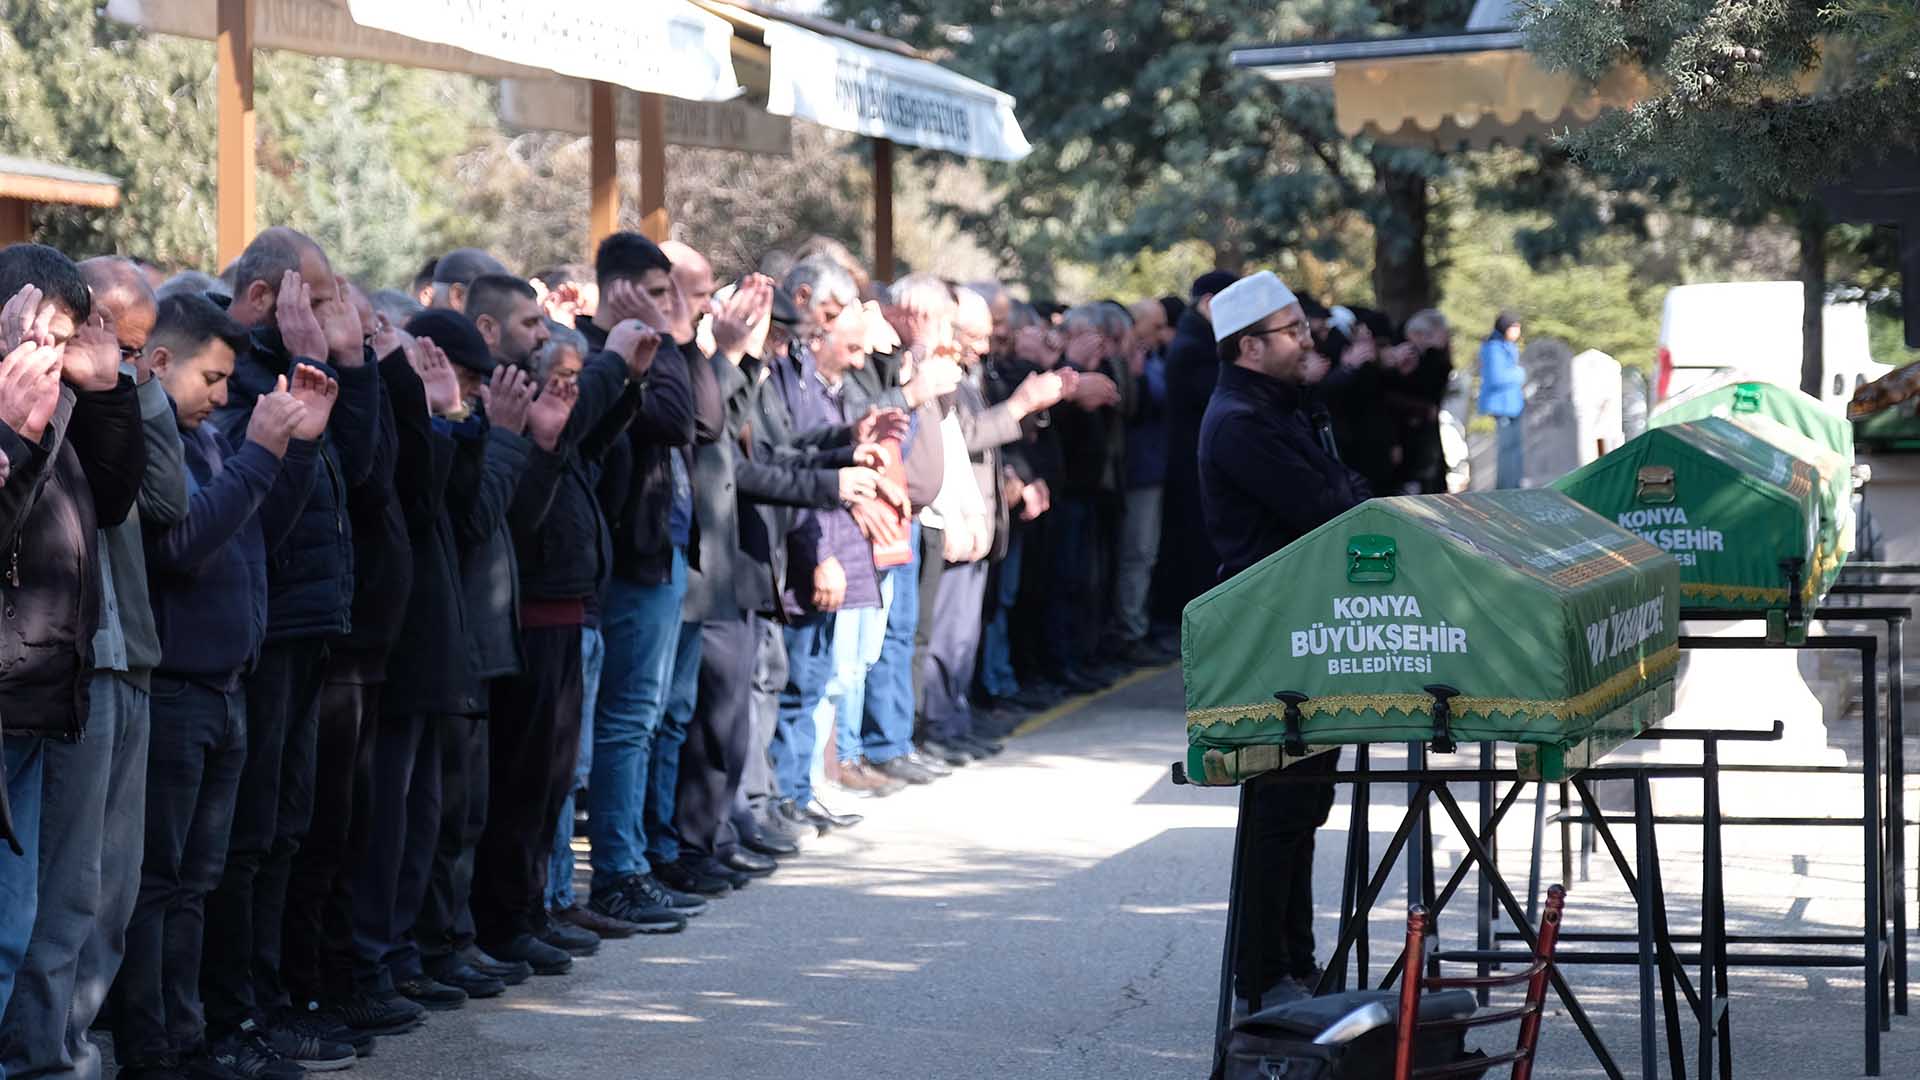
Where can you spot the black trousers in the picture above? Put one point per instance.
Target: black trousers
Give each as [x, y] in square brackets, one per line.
[404, 810]
[317, 940]
[446, 921]
[1276, 879]
[533, 744]
[721, 735]
[241, 972]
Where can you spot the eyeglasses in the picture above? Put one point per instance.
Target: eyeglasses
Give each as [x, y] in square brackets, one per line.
[1296, 329]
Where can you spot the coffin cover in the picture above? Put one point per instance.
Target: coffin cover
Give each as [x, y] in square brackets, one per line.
[1557, 627]
[1797, 411]
[1726, 505]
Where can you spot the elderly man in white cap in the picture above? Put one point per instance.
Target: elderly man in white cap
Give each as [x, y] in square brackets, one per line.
[1269, 475]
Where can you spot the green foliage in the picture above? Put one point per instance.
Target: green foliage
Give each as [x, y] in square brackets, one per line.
[1603, 302]
[1145, 137]
[1886, 336]
[1763, 101]
[76, 89]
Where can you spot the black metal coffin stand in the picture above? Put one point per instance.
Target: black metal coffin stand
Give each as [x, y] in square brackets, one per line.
[1662, 968]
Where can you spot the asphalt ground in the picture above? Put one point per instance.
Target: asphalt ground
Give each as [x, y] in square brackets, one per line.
[1058, 912]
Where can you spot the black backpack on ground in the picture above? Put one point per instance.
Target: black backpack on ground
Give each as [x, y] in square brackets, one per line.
[1277, 1043]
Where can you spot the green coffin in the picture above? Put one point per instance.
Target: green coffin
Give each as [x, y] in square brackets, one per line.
[1727, 506]
[1835, 489]
[1557, 628]
[1798, 411]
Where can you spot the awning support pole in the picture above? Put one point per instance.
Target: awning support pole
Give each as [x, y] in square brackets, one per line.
[234, 52]
[883, 209]
[653, 168]
[603, 220]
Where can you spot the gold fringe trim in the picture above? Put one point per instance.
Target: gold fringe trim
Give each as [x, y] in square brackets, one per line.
[1581, 705]
[1747, 594]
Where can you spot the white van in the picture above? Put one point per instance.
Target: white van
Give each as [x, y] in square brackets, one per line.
[1714, 334]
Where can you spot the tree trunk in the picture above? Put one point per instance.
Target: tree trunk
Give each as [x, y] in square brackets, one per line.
[1402, 280]
[1813, 291]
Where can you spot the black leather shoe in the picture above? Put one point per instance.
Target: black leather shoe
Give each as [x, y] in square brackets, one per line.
[768, 842]
[903, 769]
[570, 939]
[979, 747]
[799, 819]
[431, 994]
[512, 974]
[543, 958]
[818, 811]
[689, 876]
[752, 864]
[457, 973]
[939, 769]
[949, 753]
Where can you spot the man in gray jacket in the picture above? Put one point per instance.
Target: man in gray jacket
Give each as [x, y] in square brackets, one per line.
[96, 803]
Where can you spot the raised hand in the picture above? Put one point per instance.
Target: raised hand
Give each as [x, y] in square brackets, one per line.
[30, 387]
[316, 390]
[933, 377]
[507, 397]
[1095, 391]
[547, 416]
[388, 337]
[19, 317]
[340, 322]
[858, 483]
[430, 362]
[870, 455]
[300, 329]
[276, 416]
[1314, 367]
[881, 336]
[743, 316]
[92, 360]
[1038, 391]
[1084, 349]
[636, 343]
[879, 425]
[1035, 499]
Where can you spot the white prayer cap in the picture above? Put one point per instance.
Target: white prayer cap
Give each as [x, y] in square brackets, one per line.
[1247, 301]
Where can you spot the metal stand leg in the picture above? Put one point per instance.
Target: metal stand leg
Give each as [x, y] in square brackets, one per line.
[1566, 839]
[1643, 852]
[1483, 897]
[1875, 927]
[1224, 1016]
[1716, 1025]
[1575, 1012]
[1539, 841]
[1653, 882]
[1363, 799]
[1897, 806]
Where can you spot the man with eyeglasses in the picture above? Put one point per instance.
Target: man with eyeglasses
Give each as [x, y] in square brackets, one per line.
[89, 879]
[1269, 475]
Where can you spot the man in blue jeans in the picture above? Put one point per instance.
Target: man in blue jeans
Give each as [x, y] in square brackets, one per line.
[74, 452]
[1503, 396]
[646, 495]
[96, 788]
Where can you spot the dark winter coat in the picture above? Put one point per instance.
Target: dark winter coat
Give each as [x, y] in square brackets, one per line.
[1266, 478]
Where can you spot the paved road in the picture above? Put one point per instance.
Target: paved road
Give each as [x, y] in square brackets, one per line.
[1055, 914]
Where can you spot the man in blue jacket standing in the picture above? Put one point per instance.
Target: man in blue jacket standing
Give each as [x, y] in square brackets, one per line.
[1503, 395]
